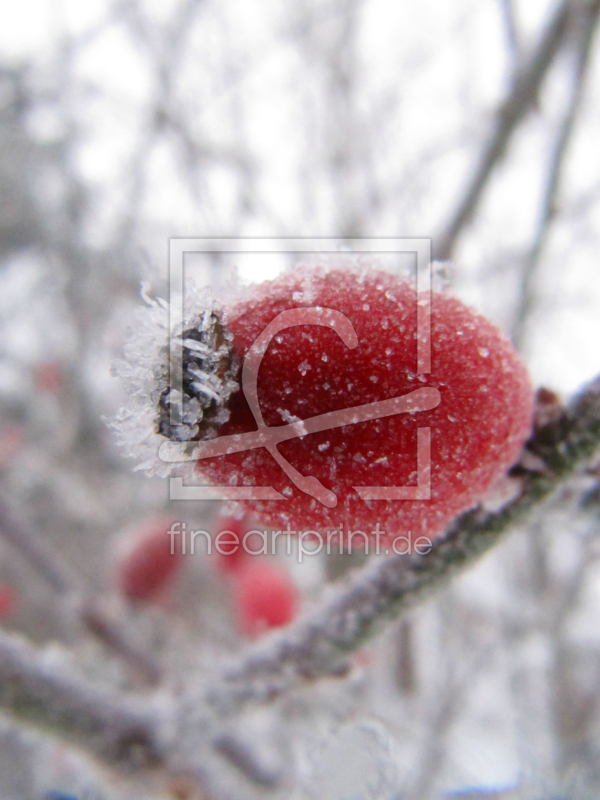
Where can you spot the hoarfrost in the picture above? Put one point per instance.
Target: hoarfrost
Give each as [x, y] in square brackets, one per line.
[155, 413]
[355, 762]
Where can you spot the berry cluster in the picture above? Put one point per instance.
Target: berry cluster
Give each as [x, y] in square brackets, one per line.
[264, 595]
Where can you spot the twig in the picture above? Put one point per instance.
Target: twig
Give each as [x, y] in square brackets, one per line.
[37, 691]
[35, 552]
[127, 732]
[458, 683]
[507, 10]
[112, 635]
[587, 24]
[521, 98]
[245, 761]
[66, 585]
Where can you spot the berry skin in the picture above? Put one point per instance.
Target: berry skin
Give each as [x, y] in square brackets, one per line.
[145, 565]
[477, 431]
[264, 597]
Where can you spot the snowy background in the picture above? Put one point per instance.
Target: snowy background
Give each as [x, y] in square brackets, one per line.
[125, 123]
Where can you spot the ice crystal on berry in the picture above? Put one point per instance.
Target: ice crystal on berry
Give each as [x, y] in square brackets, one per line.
[181, 398]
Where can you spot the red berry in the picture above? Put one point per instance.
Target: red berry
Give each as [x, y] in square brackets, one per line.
[477, 430]
[11, 442]
[7, 601]
[228, 542]
[48, 377]
[147, 560]
[265, 597]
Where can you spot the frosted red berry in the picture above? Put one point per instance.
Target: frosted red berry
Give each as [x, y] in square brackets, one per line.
[147, 560]
[477, 431]
[265, 596]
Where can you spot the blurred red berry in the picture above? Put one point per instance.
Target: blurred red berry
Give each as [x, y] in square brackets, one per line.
[48, 377]
[147, 560]
[7, 600]
[228, 542]
[265, 596]
[477, 431]
[11, 442]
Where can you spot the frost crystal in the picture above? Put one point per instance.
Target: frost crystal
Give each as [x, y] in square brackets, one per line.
[356, 761]
[177, 382]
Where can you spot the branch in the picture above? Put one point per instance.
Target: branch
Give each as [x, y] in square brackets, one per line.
[319, 644]
[587, 24]
[509, 22]
[35, 552]
[87, 610]
[38, 691]
[521, 98]
[127, 732]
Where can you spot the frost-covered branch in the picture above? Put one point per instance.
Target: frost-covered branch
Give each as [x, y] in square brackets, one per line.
[87, 611]
[319, 644]
[39, 689]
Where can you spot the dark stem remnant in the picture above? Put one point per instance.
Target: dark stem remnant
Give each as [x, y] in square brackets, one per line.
[192, 403]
